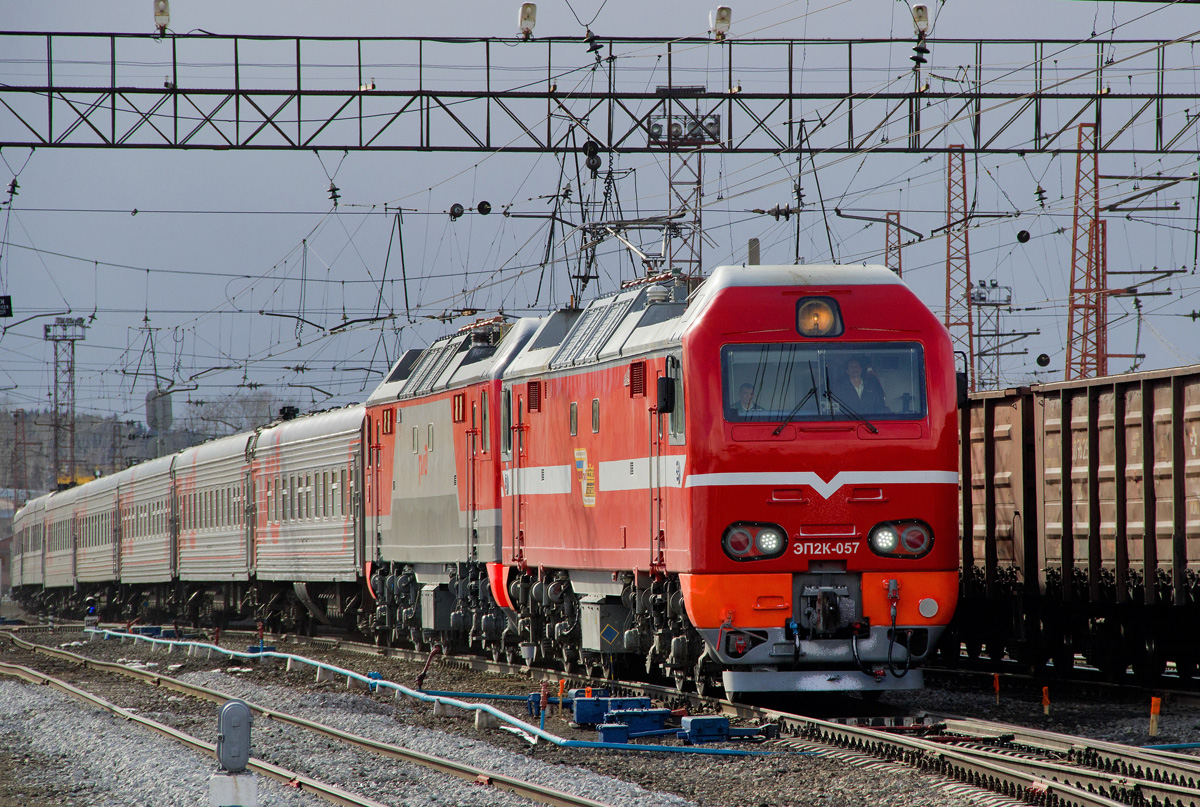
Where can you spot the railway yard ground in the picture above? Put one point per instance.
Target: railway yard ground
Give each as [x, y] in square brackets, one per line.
[56, 751]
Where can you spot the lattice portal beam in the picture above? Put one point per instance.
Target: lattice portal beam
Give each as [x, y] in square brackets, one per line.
[958, 261]
[1087, 317]
[66, 90]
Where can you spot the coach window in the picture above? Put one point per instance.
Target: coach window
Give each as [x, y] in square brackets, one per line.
[574, 418]
[595, 415]
[675, 421]
[485, 438]
[506, 423]
[344, 494]
[308, 496]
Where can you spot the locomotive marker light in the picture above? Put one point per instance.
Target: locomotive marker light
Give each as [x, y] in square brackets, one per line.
[901, 539]
[233, 786]
[749, 541]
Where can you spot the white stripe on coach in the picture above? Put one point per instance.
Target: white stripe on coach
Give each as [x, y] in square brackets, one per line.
[826, 489]
[545, 479]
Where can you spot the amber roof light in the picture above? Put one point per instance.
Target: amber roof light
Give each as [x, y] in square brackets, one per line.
[818, 316]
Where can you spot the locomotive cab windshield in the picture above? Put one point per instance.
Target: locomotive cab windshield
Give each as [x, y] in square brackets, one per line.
[814, 381]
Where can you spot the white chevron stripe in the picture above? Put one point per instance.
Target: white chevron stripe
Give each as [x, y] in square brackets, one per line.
[826, 489]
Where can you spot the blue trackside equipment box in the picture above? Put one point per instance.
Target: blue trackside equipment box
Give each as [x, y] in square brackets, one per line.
[613, 733]
[591, 711]
[640, 720]
[704, 729]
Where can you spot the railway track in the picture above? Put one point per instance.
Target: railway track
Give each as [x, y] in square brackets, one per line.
[328, 792]
[1010, 761]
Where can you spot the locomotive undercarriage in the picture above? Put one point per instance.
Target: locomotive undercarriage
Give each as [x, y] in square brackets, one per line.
[281, 607]
[644, 631]
[1113, 636]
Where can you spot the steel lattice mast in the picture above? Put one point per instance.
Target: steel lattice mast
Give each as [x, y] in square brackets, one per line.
[64, 333]
[958, 260]
[1087, 318]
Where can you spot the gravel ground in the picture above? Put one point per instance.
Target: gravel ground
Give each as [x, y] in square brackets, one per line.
[56, 752]
[641, 779]
[1115, 714]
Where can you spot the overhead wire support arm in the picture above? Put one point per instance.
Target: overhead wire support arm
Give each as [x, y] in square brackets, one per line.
[293, 316]
[838, 212]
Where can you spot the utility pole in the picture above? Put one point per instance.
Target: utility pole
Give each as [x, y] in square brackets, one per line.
[64, 333]
[958, 261]
[20, 460]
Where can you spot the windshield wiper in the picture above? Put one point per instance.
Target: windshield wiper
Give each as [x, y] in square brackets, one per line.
[845, 407]
[811, 392]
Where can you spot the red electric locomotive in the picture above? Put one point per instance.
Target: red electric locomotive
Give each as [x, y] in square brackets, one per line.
[754, 486]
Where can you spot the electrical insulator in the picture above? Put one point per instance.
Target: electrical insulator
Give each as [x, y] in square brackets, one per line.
[920, 51]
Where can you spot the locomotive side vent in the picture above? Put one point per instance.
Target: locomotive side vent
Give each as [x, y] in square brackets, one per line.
[535, 396]
[637, 379]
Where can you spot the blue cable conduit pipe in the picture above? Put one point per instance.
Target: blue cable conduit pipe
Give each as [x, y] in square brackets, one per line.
[452, 699]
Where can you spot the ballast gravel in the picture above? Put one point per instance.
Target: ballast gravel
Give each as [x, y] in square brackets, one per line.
[610, 777]
[64, 753]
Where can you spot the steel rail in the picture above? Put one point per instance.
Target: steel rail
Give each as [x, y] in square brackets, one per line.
[330, 793]
[999, 776]
[1160, 767]
[529, 790]
[989, 768]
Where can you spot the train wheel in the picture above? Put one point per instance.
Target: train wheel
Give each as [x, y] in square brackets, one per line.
[708, 680]
[1062, 655]
[1149, 665]
[1186, 667]
[571, 662]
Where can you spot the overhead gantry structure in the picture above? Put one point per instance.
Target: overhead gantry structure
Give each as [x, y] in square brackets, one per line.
[628, 94]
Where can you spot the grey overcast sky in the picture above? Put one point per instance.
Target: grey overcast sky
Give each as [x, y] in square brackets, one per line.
[220, 236]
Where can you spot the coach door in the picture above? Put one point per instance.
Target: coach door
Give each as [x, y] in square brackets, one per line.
[470, 476]
[250, 520]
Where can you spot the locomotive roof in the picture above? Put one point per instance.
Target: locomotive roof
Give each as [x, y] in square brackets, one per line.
[629, 321]
[454, 361]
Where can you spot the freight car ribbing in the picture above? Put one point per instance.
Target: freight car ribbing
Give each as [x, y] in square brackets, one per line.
[1116, 580]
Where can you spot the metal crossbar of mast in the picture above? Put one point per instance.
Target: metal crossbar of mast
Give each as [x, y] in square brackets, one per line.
[200, 91]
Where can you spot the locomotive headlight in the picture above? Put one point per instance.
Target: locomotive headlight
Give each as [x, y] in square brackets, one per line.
[748, 540]
[884, 539]
[818, 316]
[768, 541]
[901, 539]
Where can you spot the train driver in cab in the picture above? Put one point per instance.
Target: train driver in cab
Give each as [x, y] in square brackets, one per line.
[746, 407]
[860, 388]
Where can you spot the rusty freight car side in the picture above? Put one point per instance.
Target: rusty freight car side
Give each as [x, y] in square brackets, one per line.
[1116, 579]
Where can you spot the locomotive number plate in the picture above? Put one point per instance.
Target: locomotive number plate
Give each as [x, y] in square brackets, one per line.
[825, 547]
